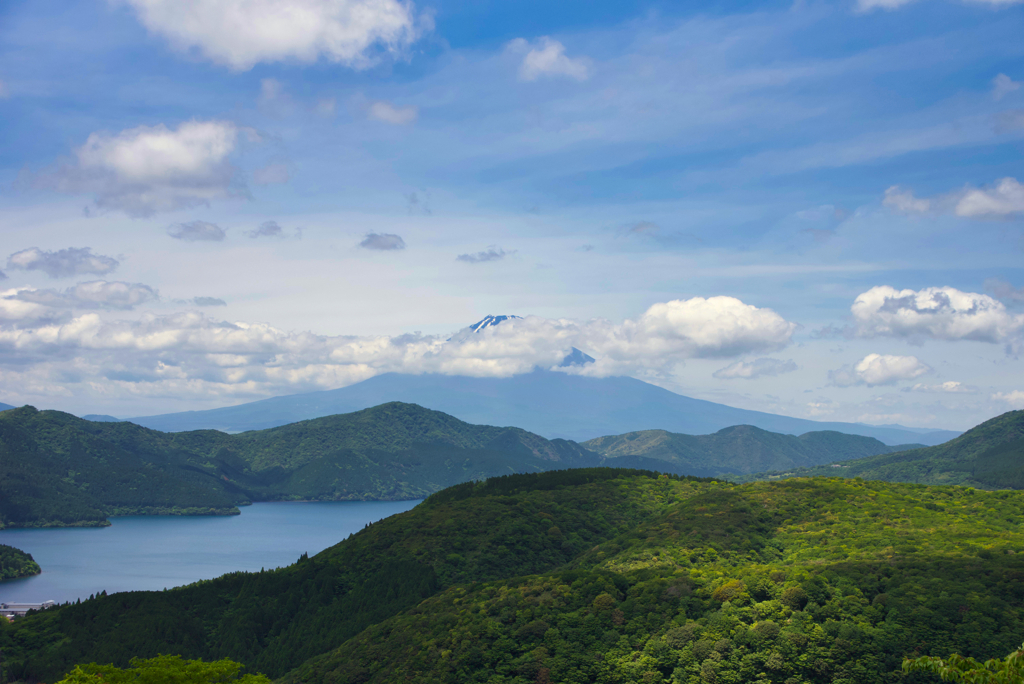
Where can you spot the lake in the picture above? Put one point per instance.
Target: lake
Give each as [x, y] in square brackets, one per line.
[157, 552]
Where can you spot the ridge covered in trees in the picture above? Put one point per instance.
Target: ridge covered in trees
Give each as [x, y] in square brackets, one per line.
[15, 563]
[596, 575]
[59, 470]
[988, 456]
[740, 449]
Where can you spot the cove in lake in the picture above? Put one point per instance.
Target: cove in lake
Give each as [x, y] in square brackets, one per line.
[158, 552]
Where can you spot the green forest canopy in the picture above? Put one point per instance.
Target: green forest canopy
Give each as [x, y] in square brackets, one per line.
[15, 563]
[597, 575]
[988, 456]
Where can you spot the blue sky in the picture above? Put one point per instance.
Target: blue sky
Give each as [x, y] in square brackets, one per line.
[809, 208]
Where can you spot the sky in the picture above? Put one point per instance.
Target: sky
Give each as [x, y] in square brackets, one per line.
[814, 209]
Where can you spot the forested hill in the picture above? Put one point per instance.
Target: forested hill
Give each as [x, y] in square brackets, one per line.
[595, 575]
[15, 563]
[989, 456]
[739, 449]
[56, 469]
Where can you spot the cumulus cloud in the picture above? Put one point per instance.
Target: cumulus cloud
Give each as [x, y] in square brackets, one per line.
[1005, 198]
[749, 370]
[938, 313]
[1015, 398]
[97, 294]
[879, 369]
[62, 263]
[490, 254]
[389, 113]
[151, 169]
[546, 57]
[1003, 85]
[382, 241]
[196, 231]
[904, 201]
[191, 354]
[242, 33]
[266, 229]
[948, 387]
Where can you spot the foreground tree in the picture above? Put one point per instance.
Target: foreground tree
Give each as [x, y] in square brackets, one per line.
[960, 670]
[164, 670]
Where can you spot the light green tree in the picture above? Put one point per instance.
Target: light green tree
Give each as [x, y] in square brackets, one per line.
[164, 670]
[960, 670]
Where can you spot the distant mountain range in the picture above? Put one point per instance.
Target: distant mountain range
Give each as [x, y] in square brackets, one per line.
[739, 449]
[989, 456]
[549, 403]
[60, 470]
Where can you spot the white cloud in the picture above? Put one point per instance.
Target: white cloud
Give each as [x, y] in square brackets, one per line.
[1003, 85]
[948, 387]
[547, 58]
[242, 33]
[151, 169]
[196, 231]
[939, 313]
[879, 369]
[1014, 398]
[97, 294]
[749, 370]
[62, 263]
[1006, 198]
[388, 113]
[189, 353]
[383, 241]
[904, 201]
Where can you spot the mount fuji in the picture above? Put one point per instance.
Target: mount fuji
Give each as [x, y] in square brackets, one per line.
[550, 403]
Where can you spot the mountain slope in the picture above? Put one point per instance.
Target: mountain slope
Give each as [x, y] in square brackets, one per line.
[56, 469]
[738, 449]
[989, 456]
[273, 621]
[595, 575]
[548, 403]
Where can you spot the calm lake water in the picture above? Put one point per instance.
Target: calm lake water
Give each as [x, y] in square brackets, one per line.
[157, 552]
